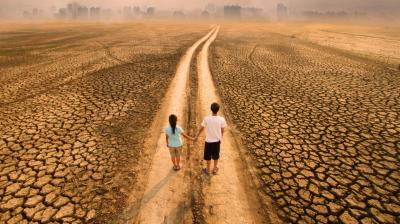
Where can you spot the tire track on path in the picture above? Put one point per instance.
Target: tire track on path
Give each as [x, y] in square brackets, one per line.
[166, 196]
[230, 196]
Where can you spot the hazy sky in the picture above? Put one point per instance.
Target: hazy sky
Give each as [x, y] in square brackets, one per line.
[15, 6]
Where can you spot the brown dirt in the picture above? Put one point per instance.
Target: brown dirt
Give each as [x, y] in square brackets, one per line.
[188, 196]
[166, 196]
[322, 123]
[231, 196]
[73, 117]
[313, 114]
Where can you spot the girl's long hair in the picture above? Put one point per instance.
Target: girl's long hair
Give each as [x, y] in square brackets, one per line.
[172, 122]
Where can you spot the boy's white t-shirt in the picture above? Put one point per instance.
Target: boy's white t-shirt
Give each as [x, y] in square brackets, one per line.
[213, 124]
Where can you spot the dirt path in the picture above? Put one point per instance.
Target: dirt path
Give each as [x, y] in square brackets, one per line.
[228, 196]
[165, 198]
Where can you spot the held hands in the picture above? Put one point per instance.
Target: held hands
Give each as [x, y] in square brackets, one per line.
[194, 139]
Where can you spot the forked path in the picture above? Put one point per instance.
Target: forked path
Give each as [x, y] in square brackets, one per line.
[228, 198]
[165, 198]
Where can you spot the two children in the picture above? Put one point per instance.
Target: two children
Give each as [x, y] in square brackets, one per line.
[214, 125]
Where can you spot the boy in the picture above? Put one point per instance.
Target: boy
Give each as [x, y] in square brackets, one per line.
[215, 130]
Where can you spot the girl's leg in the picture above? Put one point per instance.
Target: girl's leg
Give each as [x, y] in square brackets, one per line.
[172, 153]
[178, 156]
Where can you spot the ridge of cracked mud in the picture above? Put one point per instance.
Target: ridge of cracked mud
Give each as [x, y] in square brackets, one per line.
[323, 126]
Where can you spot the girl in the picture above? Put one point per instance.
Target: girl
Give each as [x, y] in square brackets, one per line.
[174, 142]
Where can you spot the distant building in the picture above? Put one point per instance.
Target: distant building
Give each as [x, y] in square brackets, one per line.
[83, 12]
[232, 11]
[35, 12]
[205, 14]
[252, 13]
[178, 14]
[136, 10]
[26, 15]
[326, 15]
[72, 9]
[95, 12]
[150, 12]
[62, 13]
[281, 11]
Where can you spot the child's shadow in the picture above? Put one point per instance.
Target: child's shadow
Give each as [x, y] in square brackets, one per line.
[133, 209]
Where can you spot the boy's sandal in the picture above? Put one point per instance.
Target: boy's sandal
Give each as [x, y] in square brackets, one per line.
[174, 168]
[178, 168]
[215, 170]
[205, 171]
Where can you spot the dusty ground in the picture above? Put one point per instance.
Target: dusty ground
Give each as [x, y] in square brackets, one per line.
[188, 196]
[75, 104]
[167, 195]
[228, 196]
[321, 122]
[80, 103]
[380, 42]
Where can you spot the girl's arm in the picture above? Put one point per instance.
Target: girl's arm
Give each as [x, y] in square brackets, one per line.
[166, 139]
[187, 136]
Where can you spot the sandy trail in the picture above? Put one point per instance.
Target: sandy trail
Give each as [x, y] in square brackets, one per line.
[227, 197]
[165, 199]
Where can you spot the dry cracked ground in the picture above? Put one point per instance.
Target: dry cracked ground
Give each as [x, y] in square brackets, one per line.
[322, 123]
[320, 118]
[75, 104]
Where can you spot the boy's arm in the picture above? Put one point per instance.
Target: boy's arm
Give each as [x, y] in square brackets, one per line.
[223, 126]
[200, 131]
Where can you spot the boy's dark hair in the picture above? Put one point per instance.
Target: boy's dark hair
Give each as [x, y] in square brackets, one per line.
[215, 107]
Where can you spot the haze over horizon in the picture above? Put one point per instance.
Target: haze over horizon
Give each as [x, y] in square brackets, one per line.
[14, 8]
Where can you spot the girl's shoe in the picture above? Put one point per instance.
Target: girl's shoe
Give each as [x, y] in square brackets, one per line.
[178, 167]
[205, 171]
[174, 168]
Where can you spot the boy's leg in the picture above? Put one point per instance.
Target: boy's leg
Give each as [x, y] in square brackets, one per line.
[215, 164]
[215, 156]
[207, 155]
[208, 165]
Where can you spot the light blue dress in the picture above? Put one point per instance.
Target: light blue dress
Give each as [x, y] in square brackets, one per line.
[174, 140]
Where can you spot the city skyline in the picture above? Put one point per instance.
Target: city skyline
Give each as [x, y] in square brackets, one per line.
[48, 9]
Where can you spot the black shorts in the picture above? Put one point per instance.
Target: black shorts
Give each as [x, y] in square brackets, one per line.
[211, 150]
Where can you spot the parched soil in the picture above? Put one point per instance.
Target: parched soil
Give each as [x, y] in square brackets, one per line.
[380, 42]
[322, 124]
[76, 102]
[229, 196]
